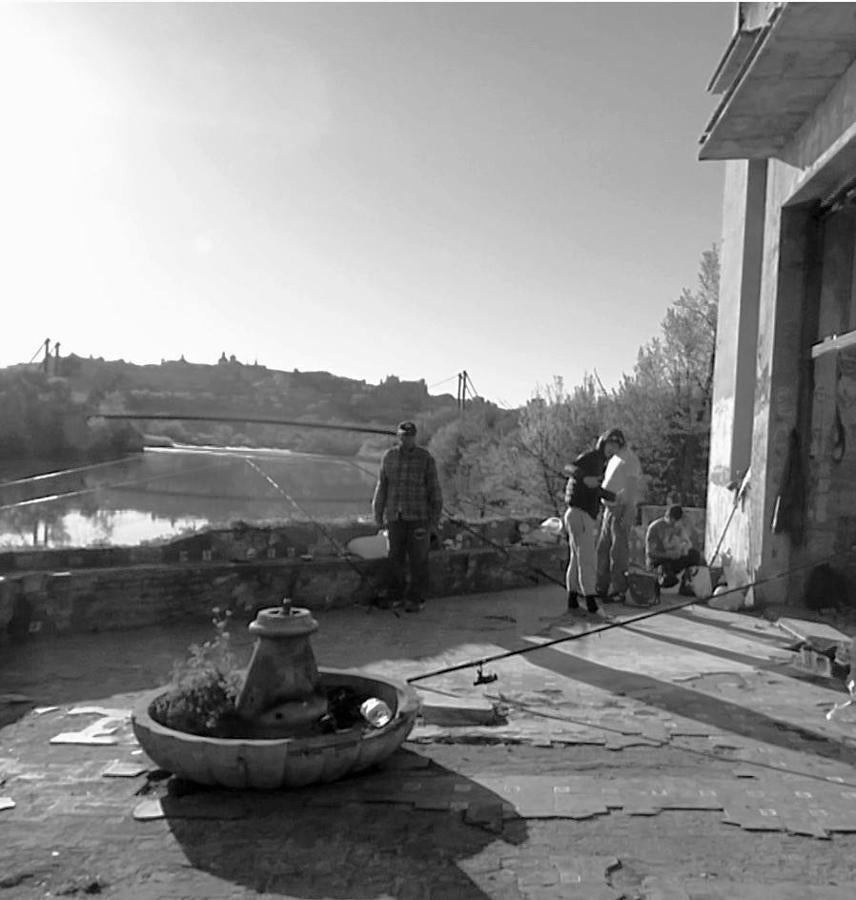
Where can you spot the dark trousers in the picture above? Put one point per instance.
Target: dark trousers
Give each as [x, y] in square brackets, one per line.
[673, 567]
[408, 556]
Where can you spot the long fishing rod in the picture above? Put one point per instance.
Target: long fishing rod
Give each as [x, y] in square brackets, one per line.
[480, 663]
[243, 419]
[60, 472]
[49, 498]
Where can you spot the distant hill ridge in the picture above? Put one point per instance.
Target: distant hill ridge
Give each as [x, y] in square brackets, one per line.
[228, 388]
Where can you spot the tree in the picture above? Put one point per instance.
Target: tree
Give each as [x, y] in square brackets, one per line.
[663, 407]
[465, 449]
[555, 427]
[666, 404]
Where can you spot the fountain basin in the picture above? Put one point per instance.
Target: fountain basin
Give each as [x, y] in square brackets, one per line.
[283, 762]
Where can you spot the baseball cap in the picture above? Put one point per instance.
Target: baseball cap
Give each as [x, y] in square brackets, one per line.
[406, 428]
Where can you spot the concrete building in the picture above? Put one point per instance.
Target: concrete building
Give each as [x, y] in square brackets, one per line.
[785, 378]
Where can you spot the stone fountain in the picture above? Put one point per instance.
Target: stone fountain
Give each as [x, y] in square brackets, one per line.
[283, 700]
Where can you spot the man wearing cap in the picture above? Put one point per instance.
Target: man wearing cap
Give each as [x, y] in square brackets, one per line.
[583, 494]
[669, 546]
[622, 477]
[408, 501]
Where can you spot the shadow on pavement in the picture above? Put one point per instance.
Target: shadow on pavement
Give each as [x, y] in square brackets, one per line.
[731, 655]
[715, 712]
[760, 635]
[67, 669]
[389, 833]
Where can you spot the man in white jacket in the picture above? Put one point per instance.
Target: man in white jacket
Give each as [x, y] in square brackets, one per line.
[622, 477]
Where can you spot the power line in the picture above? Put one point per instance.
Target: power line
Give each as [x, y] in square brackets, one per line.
[444, 381]
[469, 381]
[41, 347]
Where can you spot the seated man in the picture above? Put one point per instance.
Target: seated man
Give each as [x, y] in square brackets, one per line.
[669, 547]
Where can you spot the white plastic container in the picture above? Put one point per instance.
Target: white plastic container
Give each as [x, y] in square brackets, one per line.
[699, 581]
[374, 546]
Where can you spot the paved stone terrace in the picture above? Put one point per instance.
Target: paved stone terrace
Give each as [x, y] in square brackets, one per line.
[678, 758]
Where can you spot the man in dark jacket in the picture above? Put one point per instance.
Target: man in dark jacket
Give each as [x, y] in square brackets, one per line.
[583, 494]
[408, 500]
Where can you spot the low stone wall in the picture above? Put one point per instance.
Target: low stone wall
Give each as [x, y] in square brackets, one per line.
[186, 582]
[246, 568]
[243, 542]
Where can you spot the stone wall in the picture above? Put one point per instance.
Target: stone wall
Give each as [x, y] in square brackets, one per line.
[246, 569]
[781, 290]
[243, 542]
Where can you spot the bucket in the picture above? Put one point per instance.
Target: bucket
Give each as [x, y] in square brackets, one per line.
[698, 581]
[643, 589]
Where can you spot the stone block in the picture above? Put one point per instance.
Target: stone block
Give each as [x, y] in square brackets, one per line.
[448, 711]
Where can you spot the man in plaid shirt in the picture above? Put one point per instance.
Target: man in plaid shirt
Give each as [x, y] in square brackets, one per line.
[408, 500]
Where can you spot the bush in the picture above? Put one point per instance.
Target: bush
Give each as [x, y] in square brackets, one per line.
[205, 686]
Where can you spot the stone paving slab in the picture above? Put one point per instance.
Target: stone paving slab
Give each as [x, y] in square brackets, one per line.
[593, 696]
[811, 808]
[710, 889]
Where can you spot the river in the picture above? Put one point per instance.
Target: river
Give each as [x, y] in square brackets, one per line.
[163, 492]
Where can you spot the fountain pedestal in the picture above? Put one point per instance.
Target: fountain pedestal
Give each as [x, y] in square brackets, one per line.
[282, 691]
[283, 696]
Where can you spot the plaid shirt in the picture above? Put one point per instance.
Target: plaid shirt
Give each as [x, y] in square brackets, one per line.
[408, 487]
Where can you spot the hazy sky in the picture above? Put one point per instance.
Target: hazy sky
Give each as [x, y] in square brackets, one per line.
[368, 189]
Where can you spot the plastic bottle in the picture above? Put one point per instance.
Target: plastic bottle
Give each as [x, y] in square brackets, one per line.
[376, 712]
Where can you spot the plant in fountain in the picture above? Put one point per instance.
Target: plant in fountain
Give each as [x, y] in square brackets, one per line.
[205, 686]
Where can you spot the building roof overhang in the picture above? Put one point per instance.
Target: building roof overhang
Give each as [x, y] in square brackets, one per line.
[774, 77]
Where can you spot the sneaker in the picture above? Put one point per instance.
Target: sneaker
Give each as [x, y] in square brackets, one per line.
[591, 606]
[573, 602]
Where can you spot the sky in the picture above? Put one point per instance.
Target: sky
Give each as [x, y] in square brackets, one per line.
[367, 189]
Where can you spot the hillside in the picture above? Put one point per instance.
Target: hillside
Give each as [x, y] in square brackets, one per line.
[43, 413]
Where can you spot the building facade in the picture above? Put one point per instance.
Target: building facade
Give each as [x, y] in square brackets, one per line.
[784, 404]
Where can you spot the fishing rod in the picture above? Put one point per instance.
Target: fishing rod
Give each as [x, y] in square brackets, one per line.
[479, 664]
[61, 472]
[242, 419]
[49, 498]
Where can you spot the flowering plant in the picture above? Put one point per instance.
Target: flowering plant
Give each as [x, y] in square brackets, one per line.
[204, 686]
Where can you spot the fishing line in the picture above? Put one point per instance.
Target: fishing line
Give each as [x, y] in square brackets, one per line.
[480, 663]
[324, 531]
[672, 741]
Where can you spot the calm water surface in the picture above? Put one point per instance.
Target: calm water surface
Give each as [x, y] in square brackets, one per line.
[160, 493]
